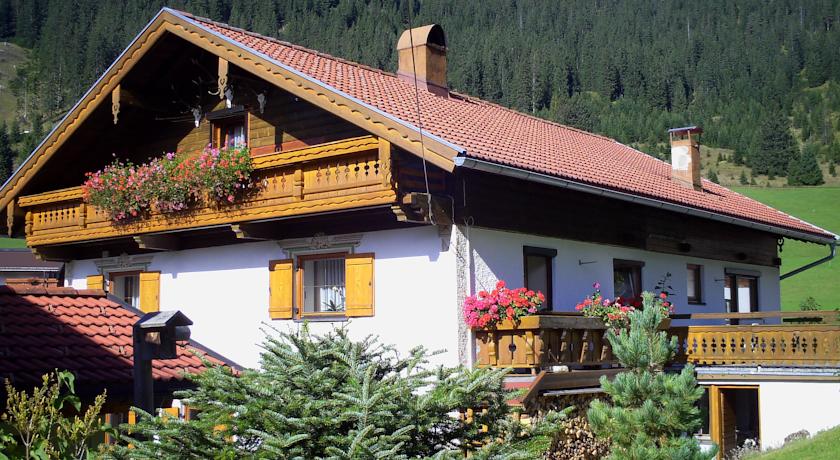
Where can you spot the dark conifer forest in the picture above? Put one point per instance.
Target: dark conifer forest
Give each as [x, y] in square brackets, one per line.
[628, 69]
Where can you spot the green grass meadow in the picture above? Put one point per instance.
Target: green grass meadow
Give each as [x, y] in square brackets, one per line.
[819, 206]
[823, 446]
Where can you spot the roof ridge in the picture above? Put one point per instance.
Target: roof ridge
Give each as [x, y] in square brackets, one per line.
[51, 291]
[285, 43]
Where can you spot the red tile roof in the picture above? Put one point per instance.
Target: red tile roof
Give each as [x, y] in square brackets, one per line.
[84, 331]
[503, 136]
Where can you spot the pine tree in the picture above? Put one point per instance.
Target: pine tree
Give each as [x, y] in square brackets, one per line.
[7, 155]
[804, 168]
[743, 179]
[712, 176]
[832, 169]
[326, 396]
[652, 414]
[775, 149]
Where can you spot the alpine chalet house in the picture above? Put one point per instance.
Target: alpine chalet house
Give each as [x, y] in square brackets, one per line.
[380, 201]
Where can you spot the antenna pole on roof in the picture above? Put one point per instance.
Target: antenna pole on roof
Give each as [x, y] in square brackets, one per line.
[409, 5]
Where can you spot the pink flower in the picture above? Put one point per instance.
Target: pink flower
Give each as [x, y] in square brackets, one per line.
[596, 285]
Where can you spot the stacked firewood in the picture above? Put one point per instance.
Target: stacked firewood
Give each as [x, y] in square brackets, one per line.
[575, 441]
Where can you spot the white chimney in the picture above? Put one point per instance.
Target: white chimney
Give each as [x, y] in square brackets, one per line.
[685, 156]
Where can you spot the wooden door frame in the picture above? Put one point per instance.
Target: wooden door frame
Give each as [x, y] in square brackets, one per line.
[716, 411]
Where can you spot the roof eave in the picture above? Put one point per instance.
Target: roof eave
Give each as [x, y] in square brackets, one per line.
[510, 171]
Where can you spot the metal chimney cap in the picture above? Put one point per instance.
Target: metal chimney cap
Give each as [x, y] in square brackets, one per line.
[163, 319]
[686, 130]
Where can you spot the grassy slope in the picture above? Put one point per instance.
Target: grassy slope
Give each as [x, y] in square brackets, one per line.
[823, 446]
[819, 206]
[10, 56]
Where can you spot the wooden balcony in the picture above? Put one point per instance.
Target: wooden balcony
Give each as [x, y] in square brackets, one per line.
[542, 341]
[568, 339]
[352, 173]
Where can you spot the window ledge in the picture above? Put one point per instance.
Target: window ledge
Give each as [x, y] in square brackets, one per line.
[696, 303]
[321, 319]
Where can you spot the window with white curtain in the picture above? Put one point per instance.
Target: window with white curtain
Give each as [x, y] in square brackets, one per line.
[126, 286]
[323, 285]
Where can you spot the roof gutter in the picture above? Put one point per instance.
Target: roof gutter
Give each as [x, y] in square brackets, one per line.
[832, 252]
[518, 173]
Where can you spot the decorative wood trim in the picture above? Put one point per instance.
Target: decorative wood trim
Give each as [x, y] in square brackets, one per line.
[205, 217]
[316, 152]
[54, 196]
[115, 103]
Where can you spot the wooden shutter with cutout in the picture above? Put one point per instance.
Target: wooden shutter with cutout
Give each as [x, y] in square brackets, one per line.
[359, 284]
[96, 282]
[149, 291]
[281, 288]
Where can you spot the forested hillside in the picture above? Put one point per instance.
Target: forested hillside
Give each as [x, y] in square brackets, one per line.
[762, 77]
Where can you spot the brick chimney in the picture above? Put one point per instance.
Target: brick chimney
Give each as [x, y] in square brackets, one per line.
[428, 58]
[685, 156]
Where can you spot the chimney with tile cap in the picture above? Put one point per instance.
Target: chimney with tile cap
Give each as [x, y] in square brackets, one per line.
[428, 58]
[685, 156]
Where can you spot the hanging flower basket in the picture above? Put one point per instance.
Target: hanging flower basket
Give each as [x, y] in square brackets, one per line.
[170, 183]
[489, 309]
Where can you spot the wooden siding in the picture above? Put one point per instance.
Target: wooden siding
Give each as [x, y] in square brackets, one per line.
[559, 213]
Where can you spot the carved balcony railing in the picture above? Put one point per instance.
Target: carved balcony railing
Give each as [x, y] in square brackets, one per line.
[799, 339]
[334, 176]
[568, 339]
[542, 341]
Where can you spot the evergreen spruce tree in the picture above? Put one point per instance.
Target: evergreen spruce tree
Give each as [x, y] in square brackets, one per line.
[7, 155]
[743, 179]
[775, 148]
[326, 396]
[651, 414]
[804, 168]
[712, 176]
[832, 169]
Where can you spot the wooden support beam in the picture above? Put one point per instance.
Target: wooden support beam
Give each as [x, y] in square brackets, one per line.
[10, 217]
[254, 232]
[424, 208]
[160, 242]
[55, 254]
[115, 103]
[223, 77]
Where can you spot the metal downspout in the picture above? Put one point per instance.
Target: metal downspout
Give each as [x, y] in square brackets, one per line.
[833, 252]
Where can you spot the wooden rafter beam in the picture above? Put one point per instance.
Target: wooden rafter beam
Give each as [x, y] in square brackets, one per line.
[159, 242]
[254, 232]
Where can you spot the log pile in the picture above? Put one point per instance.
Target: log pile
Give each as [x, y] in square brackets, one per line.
[575, 441]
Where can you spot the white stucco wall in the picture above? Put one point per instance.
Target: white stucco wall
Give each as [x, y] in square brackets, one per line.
[788, 407]
[224, 291]
[498, 255]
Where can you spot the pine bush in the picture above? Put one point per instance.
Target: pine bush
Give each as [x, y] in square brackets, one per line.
[329, 397]
[651, 414]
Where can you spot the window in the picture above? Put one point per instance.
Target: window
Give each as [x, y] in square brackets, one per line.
[229, 132]
[126, 286]
[694, 283]
[627, 279]
[322, 284]
[741, 292]
[538, 272]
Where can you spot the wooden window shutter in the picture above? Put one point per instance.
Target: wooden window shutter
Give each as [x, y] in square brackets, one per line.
[149, 291]
[96, 282]
[281, 287]
[359, 283]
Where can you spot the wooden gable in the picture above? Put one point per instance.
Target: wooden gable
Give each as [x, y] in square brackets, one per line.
[302, 107]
